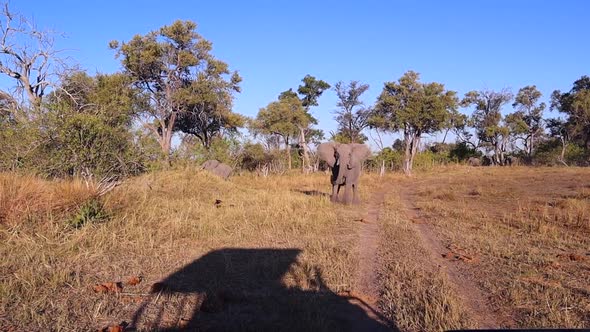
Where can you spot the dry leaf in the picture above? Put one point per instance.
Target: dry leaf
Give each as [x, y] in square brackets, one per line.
[108, 287]
[116, 327]
[572, 257]
[134, 280]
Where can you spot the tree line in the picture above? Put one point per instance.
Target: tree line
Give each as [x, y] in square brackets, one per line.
[61, 121]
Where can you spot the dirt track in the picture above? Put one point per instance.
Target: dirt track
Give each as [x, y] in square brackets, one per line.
[466, 288]
[367, 282]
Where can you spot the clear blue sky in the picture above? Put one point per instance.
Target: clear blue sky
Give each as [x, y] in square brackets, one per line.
[467, 45]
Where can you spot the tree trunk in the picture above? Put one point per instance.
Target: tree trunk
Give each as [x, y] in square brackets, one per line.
[407, 168]
[531, 145]
[445, 137]
[305, 164]
[165, 144]
[288, 149]
[563, 146]
[382, 171]
[414, 151]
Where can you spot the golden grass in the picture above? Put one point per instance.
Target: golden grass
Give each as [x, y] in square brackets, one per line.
[530, 228]
[24, 197]
[159, 223]
[416, 295]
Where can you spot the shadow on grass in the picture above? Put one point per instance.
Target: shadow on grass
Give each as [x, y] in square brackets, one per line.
[312, 193]
[242, 290]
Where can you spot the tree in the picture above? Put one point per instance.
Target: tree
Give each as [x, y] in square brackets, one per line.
[28, 56]
[87, 129]
[282, 118]
[576, 105]
[415, 108]
[174, 67]
[208, 107]
[457, 123]
[110, 96]
[558, 128]
[308, 93]
[352, 117]
[530, 111]
[487, 120]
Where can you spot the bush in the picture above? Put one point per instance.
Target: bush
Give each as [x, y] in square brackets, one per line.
[91, 211]
[85, 145]
[462, 152]
[255, 158]
[548, 153]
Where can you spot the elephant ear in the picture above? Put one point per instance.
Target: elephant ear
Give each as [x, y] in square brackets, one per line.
[359, 153]
[326, 153]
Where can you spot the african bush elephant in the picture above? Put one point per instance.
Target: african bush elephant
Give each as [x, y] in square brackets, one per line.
[220, 169]
[512, 161]
[345, 160]
[474, 161]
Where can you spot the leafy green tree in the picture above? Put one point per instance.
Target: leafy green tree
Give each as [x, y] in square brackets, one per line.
[208, 111]
[282, 119]
[558, 129]
[487, 119]
[82, 144]
[576, 105]
[86, 131]
[352, 116]
[174, 67]
[414, 108]
[83, 131]
[111, 97]
[309, 93]
[457, 123]
[530, 112]
[518, 129]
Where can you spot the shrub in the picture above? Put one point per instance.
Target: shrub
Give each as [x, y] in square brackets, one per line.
[91, 211]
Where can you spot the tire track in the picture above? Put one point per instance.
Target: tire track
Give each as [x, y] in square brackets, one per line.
[473, 298]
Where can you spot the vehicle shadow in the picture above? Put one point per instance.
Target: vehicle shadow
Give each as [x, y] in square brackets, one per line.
[245, 290]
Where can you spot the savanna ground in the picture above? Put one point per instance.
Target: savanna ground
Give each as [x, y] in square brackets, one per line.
[451, 248]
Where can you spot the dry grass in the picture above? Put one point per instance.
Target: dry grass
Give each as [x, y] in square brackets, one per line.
[278, 255]
[530, 229]
[25, 197]
[416, 295]
[159, 223]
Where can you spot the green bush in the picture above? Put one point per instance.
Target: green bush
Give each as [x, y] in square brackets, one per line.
[548, 153]
[85, 145]
[92, 211]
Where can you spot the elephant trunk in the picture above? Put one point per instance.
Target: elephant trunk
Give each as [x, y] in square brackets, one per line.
[342, 169]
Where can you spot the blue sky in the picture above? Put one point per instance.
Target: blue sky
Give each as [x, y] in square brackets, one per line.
[466, 45]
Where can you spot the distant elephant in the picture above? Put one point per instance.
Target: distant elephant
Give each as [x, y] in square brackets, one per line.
[512, 161]
[345, 160]
[220, 169]
[474, 161]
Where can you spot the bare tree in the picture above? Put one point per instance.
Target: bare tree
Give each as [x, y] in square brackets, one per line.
[27, 55]
[379, 142]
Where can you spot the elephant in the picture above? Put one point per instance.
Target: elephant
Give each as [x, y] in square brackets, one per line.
[512, 161]
[474, 161]
[220, 169]
[345, 161]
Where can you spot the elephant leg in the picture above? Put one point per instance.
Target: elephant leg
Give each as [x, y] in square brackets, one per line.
[335, 190]
[355, 195]
[347, 198]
